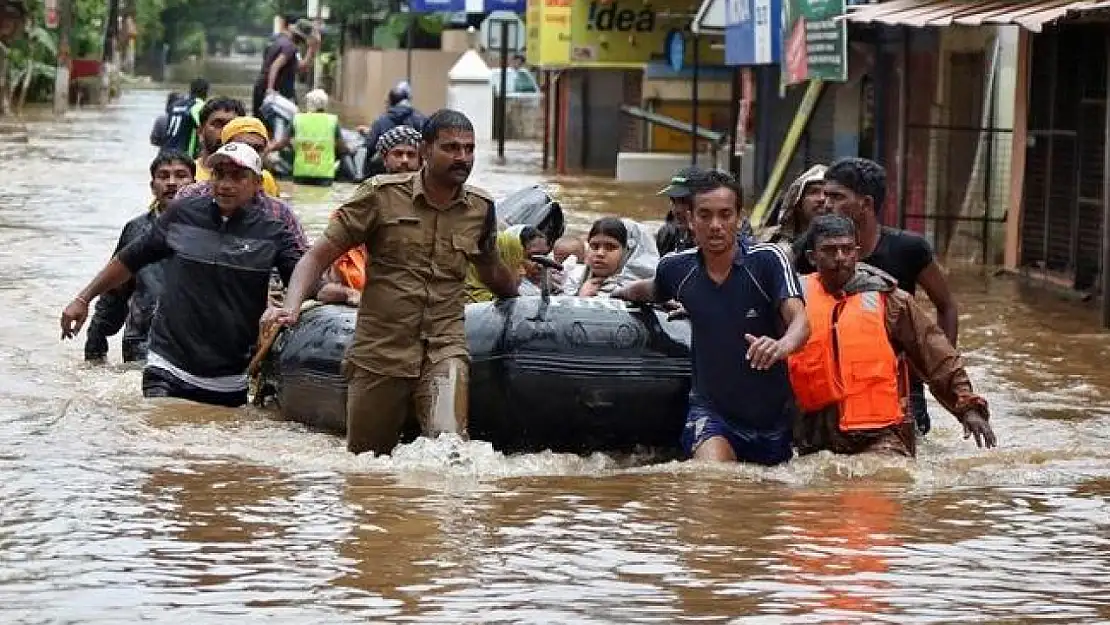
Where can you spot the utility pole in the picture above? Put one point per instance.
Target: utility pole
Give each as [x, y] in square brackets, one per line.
[61, 79]
[409, 34]
[503, 100]
[109, 61]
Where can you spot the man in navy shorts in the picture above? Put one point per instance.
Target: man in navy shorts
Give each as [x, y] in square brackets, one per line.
[747, 315]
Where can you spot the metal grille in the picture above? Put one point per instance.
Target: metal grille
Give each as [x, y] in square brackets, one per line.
[1061, 226]
[958, 182]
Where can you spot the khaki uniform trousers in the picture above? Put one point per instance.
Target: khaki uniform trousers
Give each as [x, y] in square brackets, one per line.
[378, 406]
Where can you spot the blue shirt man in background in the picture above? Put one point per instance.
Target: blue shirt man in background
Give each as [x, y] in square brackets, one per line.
[747, 315]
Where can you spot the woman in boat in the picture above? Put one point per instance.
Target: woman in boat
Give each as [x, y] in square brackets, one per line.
[618, 251]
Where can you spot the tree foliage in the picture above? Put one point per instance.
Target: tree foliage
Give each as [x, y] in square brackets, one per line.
[211, 24]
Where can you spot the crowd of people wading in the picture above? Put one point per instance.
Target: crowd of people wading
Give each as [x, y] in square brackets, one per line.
[786, 321]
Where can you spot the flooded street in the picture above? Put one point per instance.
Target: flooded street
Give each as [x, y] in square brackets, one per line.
[119, 510]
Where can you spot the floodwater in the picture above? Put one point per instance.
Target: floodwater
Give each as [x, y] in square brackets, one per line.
[116, 510]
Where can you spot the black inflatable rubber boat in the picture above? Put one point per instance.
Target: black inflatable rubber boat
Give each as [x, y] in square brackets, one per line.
[560, 373]
[534, 207]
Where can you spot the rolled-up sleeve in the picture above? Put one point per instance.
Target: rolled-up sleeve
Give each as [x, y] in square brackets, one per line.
[149, 248]
[354, 222]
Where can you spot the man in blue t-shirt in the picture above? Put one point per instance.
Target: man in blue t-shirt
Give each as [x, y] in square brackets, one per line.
[739, 298]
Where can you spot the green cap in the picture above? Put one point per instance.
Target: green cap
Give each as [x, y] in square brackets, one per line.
[679, 186]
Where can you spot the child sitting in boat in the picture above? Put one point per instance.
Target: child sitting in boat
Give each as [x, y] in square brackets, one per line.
[570, 252]
[619, 251]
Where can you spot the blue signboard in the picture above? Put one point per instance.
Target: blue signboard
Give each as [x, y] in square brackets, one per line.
[675, 50]
[753, 32]
[514, 6]
[435, 6]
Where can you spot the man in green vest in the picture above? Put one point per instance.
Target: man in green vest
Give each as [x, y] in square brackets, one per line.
[317, 143]
[199, 91]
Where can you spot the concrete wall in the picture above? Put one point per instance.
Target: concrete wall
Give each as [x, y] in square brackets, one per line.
[366, 75]
[525, 117]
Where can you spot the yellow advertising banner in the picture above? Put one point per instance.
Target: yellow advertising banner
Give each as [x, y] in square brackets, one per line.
[611, 33]
[549, 27]
[630, 33]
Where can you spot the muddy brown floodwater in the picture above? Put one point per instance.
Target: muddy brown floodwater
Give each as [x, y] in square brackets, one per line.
[118, 510]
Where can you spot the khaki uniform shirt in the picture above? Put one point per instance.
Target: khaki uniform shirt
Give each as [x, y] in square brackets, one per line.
[412, 306]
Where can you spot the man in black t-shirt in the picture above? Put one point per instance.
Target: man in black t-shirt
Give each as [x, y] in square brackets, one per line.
[281, 61]
[856, 188]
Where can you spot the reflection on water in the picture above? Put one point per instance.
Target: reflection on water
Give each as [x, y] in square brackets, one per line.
[118, 509]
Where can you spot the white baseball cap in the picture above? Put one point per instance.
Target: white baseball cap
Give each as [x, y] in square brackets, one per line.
[240, 154]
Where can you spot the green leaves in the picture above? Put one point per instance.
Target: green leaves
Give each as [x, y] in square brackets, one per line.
[43, 38]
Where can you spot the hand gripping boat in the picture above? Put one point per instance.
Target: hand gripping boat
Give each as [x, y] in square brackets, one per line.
[547, 372]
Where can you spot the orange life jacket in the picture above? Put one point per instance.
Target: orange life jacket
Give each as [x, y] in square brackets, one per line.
[351, 267]
[848, 360]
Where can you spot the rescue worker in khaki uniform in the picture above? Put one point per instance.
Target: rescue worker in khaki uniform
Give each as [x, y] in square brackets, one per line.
[409, 353]
[344, 281]
[853, 390]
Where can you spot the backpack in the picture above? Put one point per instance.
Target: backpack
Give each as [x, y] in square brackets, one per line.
[180, 126]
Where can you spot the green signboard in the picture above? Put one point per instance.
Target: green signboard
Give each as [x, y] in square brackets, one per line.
[815, 41]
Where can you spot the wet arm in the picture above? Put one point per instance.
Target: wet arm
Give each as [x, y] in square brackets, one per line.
[305, 278]
[310, 54]
[149, 248]
[793, 312]
[351, 225]
[786, 289]
[275, 68]
[111, 310]
[931, 355]
[640, 292]
[111, 307]
[936, 287]
[114, 274]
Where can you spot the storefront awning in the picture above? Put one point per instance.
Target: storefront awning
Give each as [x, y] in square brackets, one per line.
[710, 19]
[1032, 16]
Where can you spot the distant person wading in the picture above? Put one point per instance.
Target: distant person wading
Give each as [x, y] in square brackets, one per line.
[281, 62]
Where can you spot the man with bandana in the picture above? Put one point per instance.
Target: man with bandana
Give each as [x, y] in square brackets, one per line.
[399, 149]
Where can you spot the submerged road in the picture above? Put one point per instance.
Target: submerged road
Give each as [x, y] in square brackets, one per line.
[118, 510]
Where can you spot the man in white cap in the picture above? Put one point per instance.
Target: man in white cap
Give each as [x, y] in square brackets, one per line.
[218, 252]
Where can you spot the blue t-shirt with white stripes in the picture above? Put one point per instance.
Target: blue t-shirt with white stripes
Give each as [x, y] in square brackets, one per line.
[747, 302]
